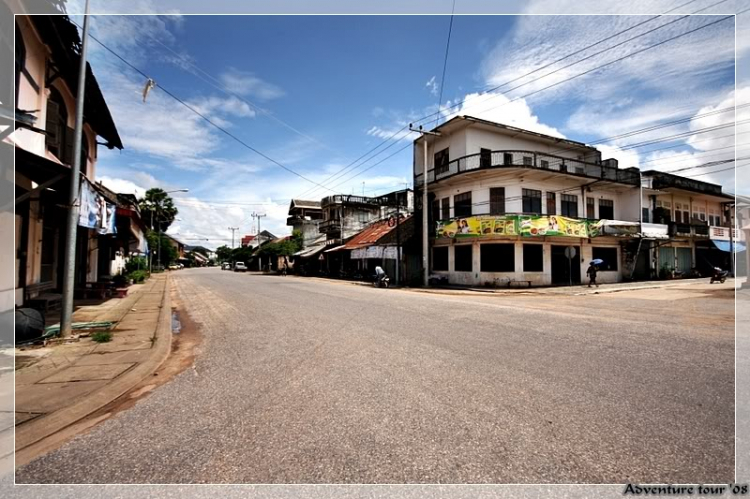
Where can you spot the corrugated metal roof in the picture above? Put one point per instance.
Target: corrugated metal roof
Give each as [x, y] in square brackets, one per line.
[371, 235]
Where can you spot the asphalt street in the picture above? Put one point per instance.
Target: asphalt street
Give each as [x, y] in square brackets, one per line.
[304, 380]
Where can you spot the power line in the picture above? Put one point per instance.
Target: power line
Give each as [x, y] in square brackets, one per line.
[631, 54]
[222, 87]
[445, 61]
[208, 120]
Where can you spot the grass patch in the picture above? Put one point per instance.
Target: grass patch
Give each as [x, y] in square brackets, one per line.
[101, 336]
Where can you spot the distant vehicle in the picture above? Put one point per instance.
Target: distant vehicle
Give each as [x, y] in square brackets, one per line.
[226, 266]
[174, 266]
[240, 267]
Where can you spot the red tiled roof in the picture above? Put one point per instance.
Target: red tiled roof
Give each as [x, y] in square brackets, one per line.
[371, 235]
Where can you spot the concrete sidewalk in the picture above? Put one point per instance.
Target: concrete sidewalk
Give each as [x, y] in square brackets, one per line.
[65, 383]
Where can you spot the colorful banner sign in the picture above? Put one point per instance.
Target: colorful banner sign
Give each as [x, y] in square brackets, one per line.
[516, 225]
[95, 212]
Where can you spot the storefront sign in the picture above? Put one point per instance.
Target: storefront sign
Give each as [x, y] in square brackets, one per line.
[95, 212]
[514, 225]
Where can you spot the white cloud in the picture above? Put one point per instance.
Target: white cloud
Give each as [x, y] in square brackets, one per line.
[500, 109]
[625, 159]
[432, 86]
[246, 83]
[724, 136]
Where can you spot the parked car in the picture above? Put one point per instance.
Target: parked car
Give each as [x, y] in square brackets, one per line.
[240, 267]
[226, 266]
[174, 266]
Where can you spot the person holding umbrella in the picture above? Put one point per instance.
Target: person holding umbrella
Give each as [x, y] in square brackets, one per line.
[592, 270]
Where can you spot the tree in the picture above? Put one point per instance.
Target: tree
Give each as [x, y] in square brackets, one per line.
[159, 205]
[224, 253]
[168, 252]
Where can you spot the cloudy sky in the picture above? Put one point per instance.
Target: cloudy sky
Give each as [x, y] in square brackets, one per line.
[314, 94]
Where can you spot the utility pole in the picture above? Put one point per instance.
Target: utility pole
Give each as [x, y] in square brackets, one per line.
[425, 223]
[258, 216]
[233, 229]
[69, 267]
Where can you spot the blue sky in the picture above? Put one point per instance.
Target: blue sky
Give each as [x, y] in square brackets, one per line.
[317, 92]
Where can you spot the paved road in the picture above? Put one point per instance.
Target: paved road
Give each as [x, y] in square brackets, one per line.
[301, 380]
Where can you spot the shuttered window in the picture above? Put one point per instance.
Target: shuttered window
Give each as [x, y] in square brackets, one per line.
[497, 201]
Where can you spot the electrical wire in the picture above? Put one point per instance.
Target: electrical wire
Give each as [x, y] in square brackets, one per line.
[208, 120]
[631, 54]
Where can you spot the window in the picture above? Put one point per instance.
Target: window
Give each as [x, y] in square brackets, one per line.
[497, 201]
[436, 209]
[644, 214]
[682, 213]
[507, 158]
[700, 214]
[463, 256]
[446, 208]
[440, 258]
[485, 158]
[569, 205]
[607, 255]
[20, 59]
[497, 257]
[590, 208]
[544, 163]
[56, 125]
[533, 258]
[462, 205]
[441, 161]
[532, 201]
[607, 209]
[528, 161]
[551, 204]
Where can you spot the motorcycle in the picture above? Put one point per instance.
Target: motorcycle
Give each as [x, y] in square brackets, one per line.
[719, 275]
[382, 282]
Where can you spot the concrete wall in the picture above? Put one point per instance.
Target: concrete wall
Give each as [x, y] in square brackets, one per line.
[480, 197]
[544, 278]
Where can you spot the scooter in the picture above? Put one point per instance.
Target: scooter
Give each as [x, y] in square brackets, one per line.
[719, 275]
[382, 282]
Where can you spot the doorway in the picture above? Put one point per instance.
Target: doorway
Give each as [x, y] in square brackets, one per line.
[565, 271]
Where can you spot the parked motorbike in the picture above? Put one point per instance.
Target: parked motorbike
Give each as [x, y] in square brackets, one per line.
[381, 282]
[719, 275]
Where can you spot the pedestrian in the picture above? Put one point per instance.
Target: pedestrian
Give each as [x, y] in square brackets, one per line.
[286, 267]
[591, 272]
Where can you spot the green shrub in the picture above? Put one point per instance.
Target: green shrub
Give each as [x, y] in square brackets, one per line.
[138, 276]
[136, 263]
[120, 280]
[101, 336]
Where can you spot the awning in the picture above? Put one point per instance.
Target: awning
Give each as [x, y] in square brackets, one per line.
[310, 251]
[337, 248]
[727, 245]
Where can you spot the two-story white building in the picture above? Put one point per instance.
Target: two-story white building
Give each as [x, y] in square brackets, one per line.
[47, 53]
[507, 204]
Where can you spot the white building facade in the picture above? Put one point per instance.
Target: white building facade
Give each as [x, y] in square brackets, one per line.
[508, 205]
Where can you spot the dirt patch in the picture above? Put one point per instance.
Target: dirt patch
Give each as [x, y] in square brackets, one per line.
[181, 357]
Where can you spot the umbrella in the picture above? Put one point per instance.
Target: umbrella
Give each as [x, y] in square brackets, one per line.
[597, 261]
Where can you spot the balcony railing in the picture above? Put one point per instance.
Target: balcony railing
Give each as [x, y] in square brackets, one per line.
[688, 230]
[350, 200]
[328, 226]
[531, 160]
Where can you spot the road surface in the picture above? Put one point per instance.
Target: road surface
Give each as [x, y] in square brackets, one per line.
[306, 380]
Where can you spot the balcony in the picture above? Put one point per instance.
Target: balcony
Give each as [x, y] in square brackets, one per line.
[347, 199]
[532, 160]
[332, 226]
[688, 230]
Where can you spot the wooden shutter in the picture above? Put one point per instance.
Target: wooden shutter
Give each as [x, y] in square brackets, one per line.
[52, 126]
[68, 144]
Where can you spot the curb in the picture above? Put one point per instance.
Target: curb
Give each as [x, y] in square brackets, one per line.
[40, 436]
